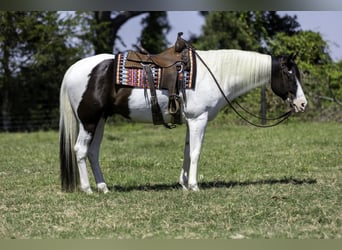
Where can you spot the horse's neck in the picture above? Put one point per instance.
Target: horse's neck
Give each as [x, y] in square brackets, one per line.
[238, 72]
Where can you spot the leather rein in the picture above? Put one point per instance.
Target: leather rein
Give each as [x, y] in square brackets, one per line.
[280, 119]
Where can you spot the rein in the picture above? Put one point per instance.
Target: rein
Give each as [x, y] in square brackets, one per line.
[281, 118]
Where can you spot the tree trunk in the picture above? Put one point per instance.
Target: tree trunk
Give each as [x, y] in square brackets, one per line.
[106, 29]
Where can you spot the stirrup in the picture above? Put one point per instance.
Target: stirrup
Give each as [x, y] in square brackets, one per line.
[173, 105]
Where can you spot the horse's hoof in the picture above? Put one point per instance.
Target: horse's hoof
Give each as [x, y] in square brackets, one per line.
[102, 187]
[87, 190]
[184, 186]
[193, 187]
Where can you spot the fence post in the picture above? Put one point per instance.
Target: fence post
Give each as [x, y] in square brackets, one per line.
[263, 105]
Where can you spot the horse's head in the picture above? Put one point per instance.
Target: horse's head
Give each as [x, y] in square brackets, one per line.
[285, 82]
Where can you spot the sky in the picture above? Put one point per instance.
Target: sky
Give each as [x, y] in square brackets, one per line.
[327, 23]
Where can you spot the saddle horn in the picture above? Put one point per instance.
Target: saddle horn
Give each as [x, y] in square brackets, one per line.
[180, 44]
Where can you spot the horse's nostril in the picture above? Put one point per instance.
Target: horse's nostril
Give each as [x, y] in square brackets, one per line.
[303, 105]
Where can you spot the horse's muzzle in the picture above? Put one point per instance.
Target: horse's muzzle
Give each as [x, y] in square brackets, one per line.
[299, 105]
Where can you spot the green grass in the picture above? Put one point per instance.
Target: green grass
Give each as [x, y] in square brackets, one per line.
[283, 182]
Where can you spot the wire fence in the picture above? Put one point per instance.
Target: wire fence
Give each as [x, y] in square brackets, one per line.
[324, 100]
[324, 105]
[39, 120]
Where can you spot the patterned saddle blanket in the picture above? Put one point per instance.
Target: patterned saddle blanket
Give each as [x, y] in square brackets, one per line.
[132, 76]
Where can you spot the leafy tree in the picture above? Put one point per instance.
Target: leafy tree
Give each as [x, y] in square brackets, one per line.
[310, 47]
[36, 51]
[335, 83]
[153, 35]
[248, 30]
[101, 29]
[225, 30]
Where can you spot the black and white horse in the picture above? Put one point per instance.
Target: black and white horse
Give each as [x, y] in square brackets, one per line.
[88, 96]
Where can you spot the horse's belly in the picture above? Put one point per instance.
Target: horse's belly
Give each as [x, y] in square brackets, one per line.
[140, 107]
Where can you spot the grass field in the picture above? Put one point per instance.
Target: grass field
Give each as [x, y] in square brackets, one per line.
[283, 182]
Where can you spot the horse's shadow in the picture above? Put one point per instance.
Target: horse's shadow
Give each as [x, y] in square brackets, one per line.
[212, 184]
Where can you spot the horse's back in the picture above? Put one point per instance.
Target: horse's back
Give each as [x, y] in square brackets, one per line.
[83, 67]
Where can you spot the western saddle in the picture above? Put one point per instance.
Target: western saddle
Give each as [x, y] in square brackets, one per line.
[173, 62]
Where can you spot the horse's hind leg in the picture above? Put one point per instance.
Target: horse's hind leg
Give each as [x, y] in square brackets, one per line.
[81, 150]
[93, 156]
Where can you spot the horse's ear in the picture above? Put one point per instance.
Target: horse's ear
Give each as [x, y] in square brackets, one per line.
[290, 60]
[293, 56]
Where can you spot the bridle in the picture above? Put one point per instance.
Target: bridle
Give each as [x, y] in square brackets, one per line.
[280, 119]
[288, 76]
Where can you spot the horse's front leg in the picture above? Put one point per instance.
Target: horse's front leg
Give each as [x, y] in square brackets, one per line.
[183, 179]
[197, 128]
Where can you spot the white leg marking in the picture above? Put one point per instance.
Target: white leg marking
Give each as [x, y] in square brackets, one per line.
[197, 128]
[102, 187]
[81, 149]
[183, 179]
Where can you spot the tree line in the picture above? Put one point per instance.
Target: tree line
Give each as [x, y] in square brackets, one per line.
[37, 47]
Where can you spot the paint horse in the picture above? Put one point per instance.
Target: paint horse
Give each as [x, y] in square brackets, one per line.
[88, 96]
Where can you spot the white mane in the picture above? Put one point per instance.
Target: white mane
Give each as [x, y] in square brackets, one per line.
[238, 71]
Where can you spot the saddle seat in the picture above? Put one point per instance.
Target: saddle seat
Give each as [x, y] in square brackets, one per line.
[165, 59]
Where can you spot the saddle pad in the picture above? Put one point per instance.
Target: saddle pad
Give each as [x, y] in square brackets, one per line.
[135, 77]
